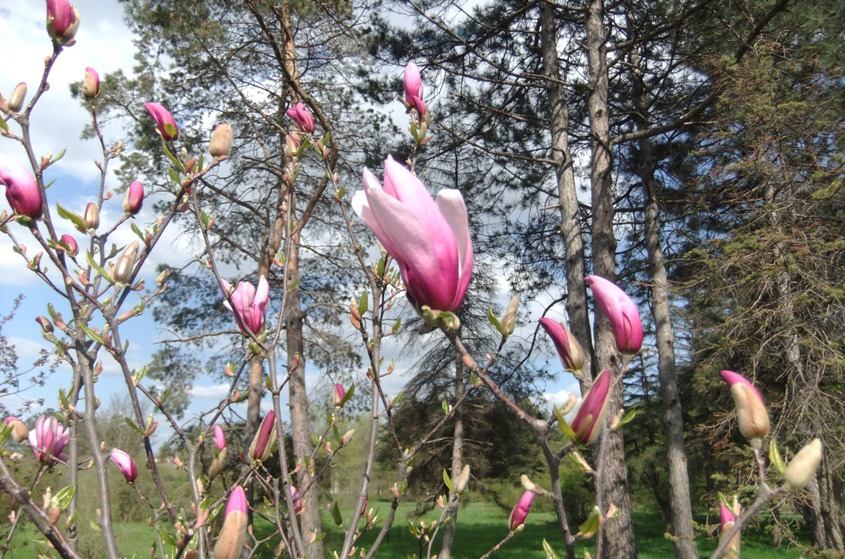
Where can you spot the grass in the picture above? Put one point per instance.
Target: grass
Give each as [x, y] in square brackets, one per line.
[480, 526]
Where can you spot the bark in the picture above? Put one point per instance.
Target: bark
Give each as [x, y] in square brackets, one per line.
[672, 415]
[570, 225]
[617, 538]
[450, 528]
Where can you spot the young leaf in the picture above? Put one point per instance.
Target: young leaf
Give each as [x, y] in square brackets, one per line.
[338, 519]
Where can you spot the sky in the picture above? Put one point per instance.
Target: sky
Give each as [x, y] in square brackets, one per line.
[103, 42]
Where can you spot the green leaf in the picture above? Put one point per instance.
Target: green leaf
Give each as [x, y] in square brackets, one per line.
[63, 497]
[134, 426]
[3, 126]
[632, 413]
[363, 303]
[172, 157]
[775, 458]
[97, 267]
[396, 326]
[91, 334]
[174, 176]
[550, 553]
[137, 231]
[338, 519]
[591, 525]
[76, 219]
[491, 318]
[347, 396]
[447, 480]
[564, 425]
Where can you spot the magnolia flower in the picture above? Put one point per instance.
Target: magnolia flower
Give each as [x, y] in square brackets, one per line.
[48, 439]
[567, 346]
[219, 438]
[91, 216]
[164, 121]
[262, 443]
[70, 245]
[751, 414]
[587, 422]
[339, 393]
[232, 533]
[297, 499]
[20, 432]
[429, 240]
[221, 141]
[91, 84]
[414, 88]
[62, 21]
[302, 117]
[22, 191]
[134, 199]
[621, 311]
[17, 98]
[520, 511]
[122, 272]
[125, 464]
[46, 327]
[250, 304]
[802, 468]
[726, 524]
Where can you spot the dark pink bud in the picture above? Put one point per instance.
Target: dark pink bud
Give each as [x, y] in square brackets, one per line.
[752, 417]
[621, 311]
[520, 511]
[587, 421]
[262, 443]
[339, 393]
[429, 239]
[302, 116]
[22, 191]
[567, 346]
[165, 123]
[70, 245]
[297, 499]
[414, 88]
[134, 200]
[91, 84]
[125, 464]
[46, 325]
[62, 21]
[219, 438]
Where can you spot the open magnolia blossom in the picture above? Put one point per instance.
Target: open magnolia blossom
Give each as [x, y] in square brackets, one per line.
[429, 239]
[49, 439]
[249, 303]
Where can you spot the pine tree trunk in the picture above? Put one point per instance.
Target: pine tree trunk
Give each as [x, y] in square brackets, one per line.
[618, 535]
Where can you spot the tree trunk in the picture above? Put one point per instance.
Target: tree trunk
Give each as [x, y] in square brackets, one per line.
[618, 535]
[570, 225]
[451, 526]
[672, 416]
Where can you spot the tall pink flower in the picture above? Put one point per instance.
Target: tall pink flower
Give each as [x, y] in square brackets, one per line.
[164, 121]
[587, 422]
[262, 443]
[414, 88]
[302, 117]
[125, 464]
[567, 346]
[621, 311]
[520, 511]
[49, 439]
[249, 303]
[219, 438]
[751, 414]
[429, 240]
[134, 199]
[233, 531]
[22, 191]
[62, 20]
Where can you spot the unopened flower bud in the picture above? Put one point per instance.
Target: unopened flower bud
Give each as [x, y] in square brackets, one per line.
[16, 100]
[20, 432]
[46, 325]
[802, 468]
[91, 217]
[91, 84]
[134, 199]
[70, 245]
[509, 319]
[62, 21]
[232, 534]
[347, 438]
[125, 464]
[221, 141]
[751, 414]
[122, 272]
[339, 393]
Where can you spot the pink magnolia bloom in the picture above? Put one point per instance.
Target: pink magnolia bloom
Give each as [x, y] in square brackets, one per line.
[91, 83]
[219, 437]
[726, 524]
[429, 240]
[567, 346]
[71, 247]
[125, 464]
[297, 499]
[262, 443]
[587, 422]
[751, 414]
[621, 311]
[62, 19]
[302, 116]
[339, 393]
[164, 121]
[22, 191]
[233, 531]
[249, 303]
[520, 511]
[414, 88]
[49, 439]
[134, 200]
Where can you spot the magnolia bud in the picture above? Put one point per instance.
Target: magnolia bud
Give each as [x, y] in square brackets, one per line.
[69, 244]
[462, 480]
[16, 100]
[91, 218]
[20, 432]
[509, 319]
[46, 325]
[91, 84]
[233, 531]
[347, 438]
[221, 141]
[134, 199]
[802, 468]
[122, 272]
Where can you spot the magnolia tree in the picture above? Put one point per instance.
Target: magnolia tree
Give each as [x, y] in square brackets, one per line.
[426, 255]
